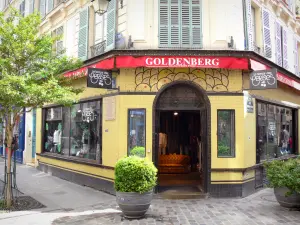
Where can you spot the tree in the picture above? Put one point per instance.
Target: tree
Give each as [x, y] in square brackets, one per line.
[31, 75]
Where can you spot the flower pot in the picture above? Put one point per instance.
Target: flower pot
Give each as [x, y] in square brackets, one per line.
[134, 205]
[292, 201]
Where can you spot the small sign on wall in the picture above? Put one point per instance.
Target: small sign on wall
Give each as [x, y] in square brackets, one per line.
[249, 105]
[98, 78]
[110, 106]
[263, 79]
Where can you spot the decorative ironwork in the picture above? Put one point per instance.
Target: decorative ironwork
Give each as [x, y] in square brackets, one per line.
[152, 79]
[98, 49]
[180, 97]
[260, 177]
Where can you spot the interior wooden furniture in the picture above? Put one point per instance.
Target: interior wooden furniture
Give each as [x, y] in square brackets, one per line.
[174, 163]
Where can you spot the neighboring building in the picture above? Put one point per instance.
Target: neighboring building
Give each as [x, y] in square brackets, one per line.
[181, 76]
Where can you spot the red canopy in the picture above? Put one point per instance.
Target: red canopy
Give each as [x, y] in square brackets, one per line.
[182, 61]
[106, 64]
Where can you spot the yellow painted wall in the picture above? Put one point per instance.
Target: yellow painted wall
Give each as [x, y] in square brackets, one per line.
[152, 79]
[228, 102]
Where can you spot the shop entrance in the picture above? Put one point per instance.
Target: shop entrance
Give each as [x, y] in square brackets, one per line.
[181, 137]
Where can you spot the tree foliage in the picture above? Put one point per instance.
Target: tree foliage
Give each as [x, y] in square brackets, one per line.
[31, 74]
[30, 71]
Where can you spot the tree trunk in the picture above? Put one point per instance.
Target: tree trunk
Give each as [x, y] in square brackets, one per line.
[8, 195]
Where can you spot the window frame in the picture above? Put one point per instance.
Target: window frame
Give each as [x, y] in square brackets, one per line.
[44, 117]
[233, 138]
[294, 114]
[128, 127]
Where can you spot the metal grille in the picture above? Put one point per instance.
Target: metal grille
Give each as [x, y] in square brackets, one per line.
[180, 97]
[98, 49]
[260, 177]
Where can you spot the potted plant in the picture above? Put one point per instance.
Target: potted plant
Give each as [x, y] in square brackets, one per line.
[135, 178]
[284, 177]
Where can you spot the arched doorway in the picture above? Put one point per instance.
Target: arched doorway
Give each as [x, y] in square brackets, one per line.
[181, 139]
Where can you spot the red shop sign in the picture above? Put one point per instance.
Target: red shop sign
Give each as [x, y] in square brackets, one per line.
[182, 61]
[106, 64]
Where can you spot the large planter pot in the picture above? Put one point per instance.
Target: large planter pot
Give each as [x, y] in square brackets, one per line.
[134, 205]
[292, 201]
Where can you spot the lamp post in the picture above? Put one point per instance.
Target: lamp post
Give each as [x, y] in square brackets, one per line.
[100, 6]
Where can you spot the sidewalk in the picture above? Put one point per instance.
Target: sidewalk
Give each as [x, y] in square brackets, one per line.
[68, 203]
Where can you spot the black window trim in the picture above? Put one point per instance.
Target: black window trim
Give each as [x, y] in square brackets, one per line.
[44, 116]
[128, 125]
[233, 155]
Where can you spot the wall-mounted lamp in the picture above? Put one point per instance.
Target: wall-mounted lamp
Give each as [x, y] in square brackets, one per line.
[175, 113]
[100, 6]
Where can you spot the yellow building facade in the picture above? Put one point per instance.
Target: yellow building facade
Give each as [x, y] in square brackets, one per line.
[163, 95]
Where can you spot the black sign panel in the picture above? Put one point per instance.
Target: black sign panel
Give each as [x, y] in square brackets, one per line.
[263, 79]
[98, 78]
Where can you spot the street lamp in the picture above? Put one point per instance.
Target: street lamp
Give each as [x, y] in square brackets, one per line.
[100, 6]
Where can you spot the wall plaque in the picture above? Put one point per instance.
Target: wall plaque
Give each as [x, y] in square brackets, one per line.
[98, 78]
[263, 79]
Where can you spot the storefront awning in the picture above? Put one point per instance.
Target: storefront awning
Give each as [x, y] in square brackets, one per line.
[182, 61]
[280, 77]
[106, 64]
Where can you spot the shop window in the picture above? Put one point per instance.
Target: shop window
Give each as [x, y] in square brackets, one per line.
[274, 131]
[85, 130]
[136, 132]
[75, 131]
[226, 133]
[53, 130]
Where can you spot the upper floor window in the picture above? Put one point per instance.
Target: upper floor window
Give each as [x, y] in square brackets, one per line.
[59, 44]
[100, 35]
[46, 6]
[180, 23]
[22, 8]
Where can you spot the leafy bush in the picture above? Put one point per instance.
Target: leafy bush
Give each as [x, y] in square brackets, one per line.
[135, 174]
[284, 174]
[138, 151]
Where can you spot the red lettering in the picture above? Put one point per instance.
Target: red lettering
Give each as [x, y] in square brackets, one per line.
[178, 62]
[187, 61]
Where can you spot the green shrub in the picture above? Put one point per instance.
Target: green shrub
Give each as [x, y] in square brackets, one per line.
[135, 174]
[284, 174]
[138, 151]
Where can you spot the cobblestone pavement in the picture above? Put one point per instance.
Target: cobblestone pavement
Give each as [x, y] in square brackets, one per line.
[258, 209]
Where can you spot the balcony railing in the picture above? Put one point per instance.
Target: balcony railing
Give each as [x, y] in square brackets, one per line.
[98, 49]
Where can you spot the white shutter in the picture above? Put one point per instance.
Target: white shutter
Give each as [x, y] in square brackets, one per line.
[285, 48]
[278, 44]
[111, 25]
[83, 34]
[70, 36]
[75, 47]
[249, 22]
[296, 60]
[30, 6]
[50, 4]
[267, 34]
[175, 20]
[164, 21]
[60, 42]
[43, 8]
[99, 28]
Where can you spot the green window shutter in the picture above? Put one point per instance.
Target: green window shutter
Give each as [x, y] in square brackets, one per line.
[196, 22]
[111, 25]
[43, 8]
[164, 25]
[186, 38]
[83, 34]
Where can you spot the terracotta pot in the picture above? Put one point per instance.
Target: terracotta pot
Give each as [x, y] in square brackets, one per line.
[292, 201]
[134, 205]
